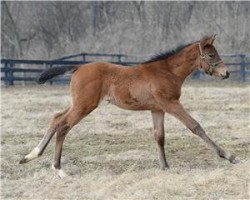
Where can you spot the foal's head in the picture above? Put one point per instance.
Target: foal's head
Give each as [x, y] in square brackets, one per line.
[210, 60]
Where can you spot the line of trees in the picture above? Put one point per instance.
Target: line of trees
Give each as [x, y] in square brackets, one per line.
[47, 30]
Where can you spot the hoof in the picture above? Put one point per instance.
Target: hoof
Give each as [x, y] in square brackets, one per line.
[164, 168]
[233, 160]
[31, 156]
[24, 160]
[59, 172]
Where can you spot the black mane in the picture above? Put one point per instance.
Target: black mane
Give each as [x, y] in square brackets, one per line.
[164, 55]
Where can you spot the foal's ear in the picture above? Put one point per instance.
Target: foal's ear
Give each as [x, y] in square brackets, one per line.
[207, 40]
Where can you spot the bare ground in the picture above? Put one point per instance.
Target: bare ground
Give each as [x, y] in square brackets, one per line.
[111, 154]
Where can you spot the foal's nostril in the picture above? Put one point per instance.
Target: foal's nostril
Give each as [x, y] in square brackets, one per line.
[226, 75]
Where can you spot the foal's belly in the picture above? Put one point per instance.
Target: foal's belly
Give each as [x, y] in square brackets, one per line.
[132, 98]
[133, 104]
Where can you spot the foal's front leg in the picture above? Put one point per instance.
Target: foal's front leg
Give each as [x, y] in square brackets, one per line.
[158, 121]
[179, 112]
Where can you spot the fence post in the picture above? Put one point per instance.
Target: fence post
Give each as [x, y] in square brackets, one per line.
[196, 74]
[119, 59]
[6, 73]
[50, 66]
[242, 68]
[11, 81]
[83, 57]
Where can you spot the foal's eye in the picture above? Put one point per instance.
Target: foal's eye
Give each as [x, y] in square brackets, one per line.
[211, 55]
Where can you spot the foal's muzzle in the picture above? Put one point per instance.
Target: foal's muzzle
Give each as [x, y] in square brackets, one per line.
[226, 76]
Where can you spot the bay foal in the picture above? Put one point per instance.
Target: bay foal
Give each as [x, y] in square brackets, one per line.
[154, 85]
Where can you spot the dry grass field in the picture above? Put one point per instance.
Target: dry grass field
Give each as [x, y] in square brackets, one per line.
[111, 154]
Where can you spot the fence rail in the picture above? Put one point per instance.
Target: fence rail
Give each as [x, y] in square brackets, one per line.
[27, 70]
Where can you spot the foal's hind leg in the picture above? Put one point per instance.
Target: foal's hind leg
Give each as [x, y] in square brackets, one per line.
[179, 112]
[39, 149]
[72, 118]
[158, 121]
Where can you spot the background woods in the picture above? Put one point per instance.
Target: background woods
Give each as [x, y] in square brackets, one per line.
[47, 30]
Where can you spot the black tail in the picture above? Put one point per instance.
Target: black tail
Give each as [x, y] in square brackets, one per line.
[52, 72]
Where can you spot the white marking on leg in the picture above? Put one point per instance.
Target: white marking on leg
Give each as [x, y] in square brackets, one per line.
[59, 172]
[33, 154]
[227, 155]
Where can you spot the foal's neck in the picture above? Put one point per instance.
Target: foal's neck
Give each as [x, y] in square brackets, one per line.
[187, 65]
[183, 63]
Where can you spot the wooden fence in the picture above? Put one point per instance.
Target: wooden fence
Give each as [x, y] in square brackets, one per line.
[13, 71]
